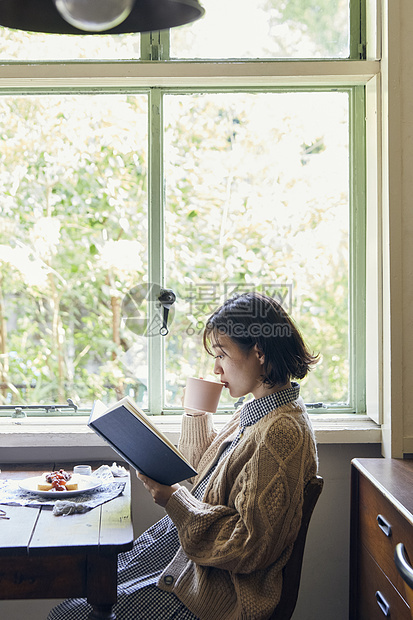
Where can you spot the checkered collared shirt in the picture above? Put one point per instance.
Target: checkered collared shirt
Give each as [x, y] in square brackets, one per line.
[250, 413]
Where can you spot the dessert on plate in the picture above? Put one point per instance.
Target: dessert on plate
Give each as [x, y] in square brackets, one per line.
[59, 480]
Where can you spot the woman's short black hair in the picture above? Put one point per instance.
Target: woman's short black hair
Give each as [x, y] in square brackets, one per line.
[253, 319]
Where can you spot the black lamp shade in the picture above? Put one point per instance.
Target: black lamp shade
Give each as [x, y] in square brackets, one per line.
[146, 15]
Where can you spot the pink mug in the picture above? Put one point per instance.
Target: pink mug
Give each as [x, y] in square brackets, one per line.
[202, 395]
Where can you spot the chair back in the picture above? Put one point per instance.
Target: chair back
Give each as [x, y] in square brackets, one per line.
[292, 570]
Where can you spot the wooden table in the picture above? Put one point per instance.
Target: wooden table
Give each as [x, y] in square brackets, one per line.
[43, 556]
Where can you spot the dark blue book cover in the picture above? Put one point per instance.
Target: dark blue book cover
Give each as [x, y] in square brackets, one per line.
[138, 442]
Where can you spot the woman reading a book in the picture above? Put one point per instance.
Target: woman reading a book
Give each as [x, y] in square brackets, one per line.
[220, 550]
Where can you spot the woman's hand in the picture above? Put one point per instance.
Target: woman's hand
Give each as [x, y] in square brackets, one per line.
[160, 492]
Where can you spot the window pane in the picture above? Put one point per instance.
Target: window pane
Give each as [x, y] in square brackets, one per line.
[266, 29]
[257, 199]
[33, 46]
[73, 243]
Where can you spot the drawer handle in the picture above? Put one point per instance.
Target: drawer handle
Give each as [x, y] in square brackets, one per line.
[402, 564]
[382, 603]
[384, 525]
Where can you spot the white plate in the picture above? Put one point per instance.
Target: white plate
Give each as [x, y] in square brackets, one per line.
[85, 483]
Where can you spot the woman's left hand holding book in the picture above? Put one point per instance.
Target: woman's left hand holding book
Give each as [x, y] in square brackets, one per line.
[160, 492]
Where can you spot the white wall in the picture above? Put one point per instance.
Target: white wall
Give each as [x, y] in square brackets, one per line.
[325, 577]
[324, 591]
[406, 147]
[397, 225]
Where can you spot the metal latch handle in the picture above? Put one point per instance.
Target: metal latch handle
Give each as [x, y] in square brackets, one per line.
[382, 603]
[384, 525]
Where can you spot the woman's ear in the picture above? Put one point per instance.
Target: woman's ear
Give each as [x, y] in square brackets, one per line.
[260, 354]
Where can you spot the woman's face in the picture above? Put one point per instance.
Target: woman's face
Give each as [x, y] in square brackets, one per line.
[240, 372]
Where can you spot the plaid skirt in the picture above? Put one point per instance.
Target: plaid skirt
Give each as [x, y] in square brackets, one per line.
[139, 598]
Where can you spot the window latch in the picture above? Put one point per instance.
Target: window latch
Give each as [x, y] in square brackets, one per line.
[166, 298]
[18, 410]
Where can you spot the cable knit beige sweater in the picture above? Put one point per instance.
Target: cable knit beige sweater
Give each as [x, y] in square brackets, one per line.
[235, 542]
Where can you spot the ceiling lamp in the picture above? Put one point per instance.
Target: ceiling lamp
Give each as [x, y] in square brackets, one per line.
[94, 15]
[97, 16]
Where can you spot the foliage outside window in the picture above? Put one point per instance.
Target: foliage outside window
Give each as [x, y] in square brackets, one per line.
[257, 195]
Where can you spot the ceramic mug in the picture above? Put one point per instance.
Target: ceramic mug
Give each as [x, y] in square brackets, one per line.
[202, 395]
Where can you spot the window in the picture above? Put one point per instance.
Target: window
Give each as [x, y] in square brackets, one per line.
[267, 29]
[115, 183]
[73, 240]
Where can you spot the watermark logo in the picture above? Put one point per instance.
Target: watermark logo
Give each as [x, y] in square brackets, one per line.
[139, 317]
[196, 303]
[204, 298]
[254, 330]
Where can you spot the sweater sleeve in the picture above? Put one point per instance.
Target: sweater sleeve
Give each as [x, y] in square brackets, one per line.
[197, 434]
[262, 516]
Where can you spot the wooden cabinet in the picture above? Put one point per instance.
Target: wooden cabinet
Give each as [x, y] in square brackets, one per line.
[381, 517]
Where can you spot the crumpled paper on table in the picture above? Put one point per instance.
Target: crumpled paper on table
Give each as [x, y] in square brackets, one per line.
[12, 495]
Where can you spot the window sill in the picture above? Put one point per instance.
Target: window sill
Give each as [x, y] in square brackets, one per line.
[68, 432]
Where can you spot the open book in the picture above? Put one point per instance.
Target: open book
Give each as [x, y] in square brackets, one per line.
[136, 439]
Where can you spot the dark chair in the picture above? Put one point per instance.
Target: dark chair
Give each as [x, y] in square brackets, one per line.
[292, 570]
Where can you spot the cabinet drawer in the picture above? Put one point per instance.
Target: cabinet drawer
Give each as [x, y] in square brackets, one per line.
[374, 587]
[373, 504]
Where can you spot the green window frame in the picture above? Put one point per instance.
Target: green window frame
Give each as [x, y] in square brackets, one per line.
[150, 75]
[357, 248]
